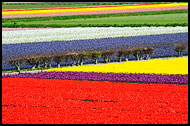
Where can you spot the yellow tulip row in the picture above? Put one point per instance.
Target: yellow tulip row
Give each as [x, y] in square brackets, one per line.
[94, 9]
[155, 66]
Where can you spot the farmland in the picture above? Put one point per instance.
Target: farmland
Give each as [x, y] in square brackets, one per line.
[134, 19]
[161, 20]
[95, 63]
[31, 5]
[44, 101]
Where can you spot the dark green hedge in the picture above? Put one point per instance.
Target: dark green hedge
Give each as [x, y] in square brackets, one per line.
[92, 25]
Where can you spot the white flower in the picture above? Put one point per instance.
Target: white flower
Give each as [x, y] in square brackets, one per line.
[68, 34]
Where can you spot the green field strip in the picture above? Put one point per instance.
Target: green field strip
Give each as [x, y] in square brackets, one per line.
[178, 19]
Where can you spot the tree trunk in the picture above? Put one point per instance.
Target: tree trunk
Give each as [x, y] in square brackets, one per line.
[38, 65]
[66, 62]
[77, 63]
[45, 65]
[59, 65]
[109, 60]
[142, 57]
[179, 54]
[33, 68]
[81, 62]
[119, 59]
[126, 58]
[137, 56]
[50, 65]
[73, 62]
[18, 68]
[147, 56]
[96, 61]
[106, 60]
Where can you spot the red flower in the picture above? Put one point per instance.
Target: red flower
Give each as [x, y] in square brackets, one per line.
[51, 101]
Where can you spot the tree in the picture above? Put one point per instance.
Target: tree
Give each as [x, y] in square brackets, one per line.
[148, 51]
[73, 56]
[180, 47]
[127, 53]
[47, 59]
[33, 60]
[106, 55]
[82, 56]
[17, 61]
[119, 54]
[137, 52]
[58, 58]
[95, 55]
[66, 58]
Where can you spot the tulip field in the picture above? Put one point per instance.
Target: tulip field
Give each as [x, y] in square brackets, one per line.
[99, 98]
[93, 10]
[47, 101]
[95, 63]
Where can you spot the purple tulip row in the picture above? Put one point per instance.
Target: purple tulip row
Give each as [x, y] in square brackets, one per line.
[115, 77]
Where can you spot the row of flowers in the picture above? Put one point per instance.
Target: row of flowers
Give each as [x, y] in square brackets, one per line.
[100, 8]
[16, 29]
[69, 34]
[163, 44]
[155, 66]
[94, 12]
[44, 101]
[114, 77]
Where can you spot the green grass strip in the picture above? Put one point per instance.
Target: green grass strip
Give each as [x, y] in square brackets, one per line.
[9, 20]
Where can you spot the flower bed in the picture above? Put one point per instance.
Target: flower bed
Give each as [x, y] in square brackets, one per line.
[164, 46]
[155, 66]
[21, 29]
[94, 12]
[70, 34]
[11, 13]
[45, 101]
[114, 77]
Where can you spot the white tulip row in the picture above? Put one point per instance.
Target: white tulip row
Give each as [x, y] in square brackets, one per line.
[68, 34]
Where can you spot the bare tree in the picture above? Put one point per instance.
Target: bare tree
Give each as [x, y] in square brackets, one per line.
[148, 51]
[47, 59]
[73, 56]
[180, 47]
[58, 58]
[127, 53]
[17, 61]
[34, 60]
[106, 55]
[82, 56]
[95, 55]
[137, 52]
[120, 54]
[66, 58]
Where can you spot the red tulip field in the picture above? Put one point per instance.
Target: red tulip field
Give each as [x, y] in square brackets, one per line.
[95, 63]
[47, 101]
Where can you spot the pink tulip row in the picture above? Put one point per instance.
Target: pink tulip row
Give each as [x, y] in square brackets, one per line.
[17, 29]
[94, 12]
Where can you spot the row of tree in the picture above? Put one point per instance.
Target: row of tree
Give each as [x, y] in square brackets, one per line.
[78, 57]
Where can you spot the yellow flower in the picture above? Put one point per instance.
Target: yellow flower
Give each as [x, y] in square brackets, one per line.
[155, 66]
[93, 9]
